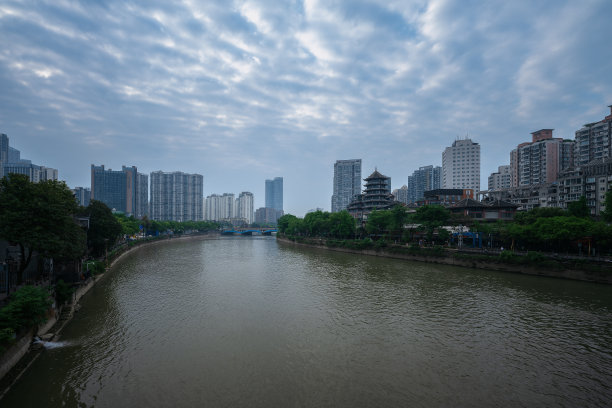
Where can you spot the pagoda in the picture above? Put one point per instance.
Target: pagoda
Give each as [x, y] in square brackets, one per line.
[377, 195]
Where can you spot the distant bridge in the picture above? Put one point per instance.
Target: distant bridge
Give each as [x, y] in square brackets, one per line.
[249, 231]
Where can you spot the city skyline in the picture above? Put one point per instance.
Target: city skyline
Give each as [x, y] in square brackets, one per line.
[245, 91]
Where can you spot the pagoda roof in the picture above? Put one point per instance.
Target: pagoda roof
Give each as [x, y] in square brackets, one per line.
[376, 175]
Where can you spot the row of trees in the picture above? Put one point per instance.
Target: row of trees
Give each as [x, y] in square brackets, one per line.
[383, 223]
[542, 229]
[43, 218]
[132, 225]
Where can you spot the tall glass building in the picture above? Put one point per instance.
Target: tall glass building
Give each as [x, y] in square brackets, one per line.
[347, 183]
[274, 193]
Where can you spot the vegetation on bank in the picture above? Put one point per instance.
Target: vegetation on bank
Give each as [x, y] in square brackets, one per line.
[553, 230]
[44, 219]
[28, 308]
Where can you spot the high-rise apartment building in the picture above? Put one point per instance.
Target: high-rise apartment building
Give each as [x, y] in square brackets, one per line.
[82, 195]
[500, 179]
[245, 207]
[426, 178]
[142, 195]
[401, 194]
[227, 206]
[347, 183]
[265, 215]
[211, 208]
[594, 141]
[4, 148]
[118, 189]
[461, 165]
[274, 193]
[176, 196]
[541, 160]
[11, 162]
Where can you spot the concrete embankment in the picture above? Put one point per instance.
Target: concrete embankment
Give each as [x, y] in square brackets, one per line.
[20, 356]
[598, 276]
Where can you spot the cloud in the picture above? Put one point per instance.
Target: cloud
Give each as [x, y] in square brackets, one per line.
[228, 87]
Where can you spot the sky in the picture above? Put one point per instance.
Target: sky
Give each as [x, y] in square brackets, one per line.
[244, 91]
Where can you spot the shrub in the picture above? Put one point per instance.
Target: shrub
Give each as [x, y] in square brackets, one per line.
[534, 257]
[28, 307]
[63, 292]
[7, 336]
[508, 256]
[381, 243]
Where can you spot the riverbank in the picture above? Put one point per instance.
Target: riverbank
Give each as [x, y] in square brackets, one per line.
[20, 356]
[539, 267]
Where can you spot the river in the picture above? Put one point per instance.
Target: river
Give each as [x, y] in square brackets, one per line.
[252, 322]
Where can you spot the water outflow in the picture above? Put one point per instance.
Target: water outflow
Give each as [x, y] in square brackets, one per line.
[50, 344]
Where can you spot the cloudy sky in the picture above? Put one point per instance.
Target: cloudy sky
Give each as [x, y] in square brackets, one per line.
[241, 91]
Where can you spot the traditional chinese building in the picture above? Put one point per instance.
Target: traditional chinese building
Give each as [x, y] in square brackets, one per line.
[377, 195]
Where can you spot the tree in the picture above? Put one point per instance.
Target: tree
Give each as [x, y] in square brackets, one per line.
[104, 229]
[379, 222]
[283, 222]
[342, 224]
[431, 217]
[607, 213]
[579, 208]
[399, 217]
[317, 223]
[39, 217]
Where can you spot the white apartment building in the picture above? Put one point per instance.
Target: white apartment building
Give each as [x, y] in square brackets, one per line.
[501, 179]
[176, 196]
[461, 165]
[245, 207]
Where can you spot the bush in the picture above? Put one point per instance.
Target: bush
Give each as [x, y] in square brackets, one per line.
[28, 307]
[7, 337]
[508, 256]
[63, 292]
[381, 243]
[534, 257]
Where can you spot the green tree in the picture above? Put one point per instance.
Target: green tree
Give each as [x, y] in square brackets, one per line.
[607, 213]
[39, 217]
[317, 223]
[432, 217]
[28, 307]
[579, 208]
[283, 222]
[399, 217]
[129, 225]
[378, 222]
[531, 216]
[342, 224]
[104, 229]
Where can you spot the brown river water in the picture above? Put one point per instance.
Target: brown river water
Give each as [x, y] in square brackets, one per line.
[249, 322]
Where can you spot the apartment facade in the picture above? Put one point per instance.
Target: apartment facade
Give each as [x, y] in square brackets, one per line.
[176, 196]
[245, 207]
[426, 178]
[541, 160]
[461, 165]
[347, 183]
[500, 179]
[593, 141]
